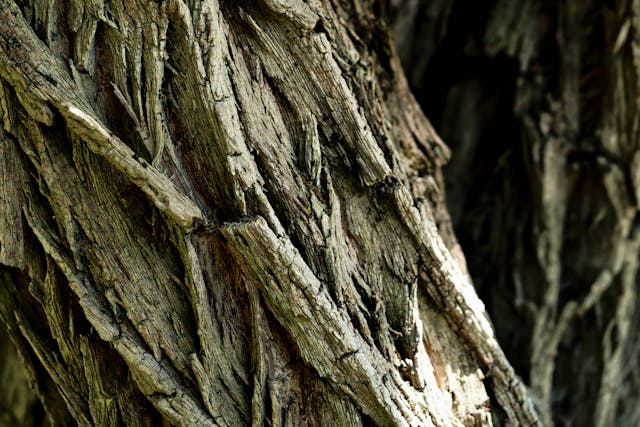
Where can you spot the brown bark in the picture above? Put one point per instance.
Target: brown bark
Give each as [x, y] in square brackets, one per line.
[231, 213]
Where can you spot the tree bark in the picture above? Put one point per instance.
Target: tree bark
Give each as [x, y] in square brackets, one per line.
[224, 213]
[539, 103]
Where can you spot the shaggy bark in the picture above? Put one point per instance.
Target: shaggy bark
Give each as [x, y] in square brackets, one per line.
[224, 213]
[539, 102]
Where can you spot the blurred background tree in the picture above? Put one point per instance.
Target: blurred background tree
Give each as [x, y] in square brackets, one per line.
[538, 101]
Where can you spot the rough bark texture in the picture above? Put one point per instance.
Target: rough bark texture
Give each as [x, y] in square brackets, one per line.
[539, 103]
[232, 213]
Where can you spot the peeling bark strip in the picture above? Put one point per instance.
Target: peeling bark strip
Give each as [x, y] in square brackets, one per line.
[39, 80]
[304, 307]
[238, 206]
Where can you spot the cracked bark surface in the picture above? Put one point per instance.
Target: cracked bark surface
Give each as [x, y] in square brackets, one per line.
[231, 213]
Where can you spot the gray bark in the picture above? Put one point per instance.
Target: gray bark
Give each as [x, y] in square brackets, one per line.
[232, 213]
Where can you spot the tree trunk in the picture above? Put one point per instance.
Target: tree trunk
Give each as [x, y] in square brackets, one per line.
[231, 213]
[539, 103]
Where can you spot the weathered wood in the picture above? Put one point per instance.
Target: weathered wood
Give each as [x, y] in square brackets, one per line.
[238, 207]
